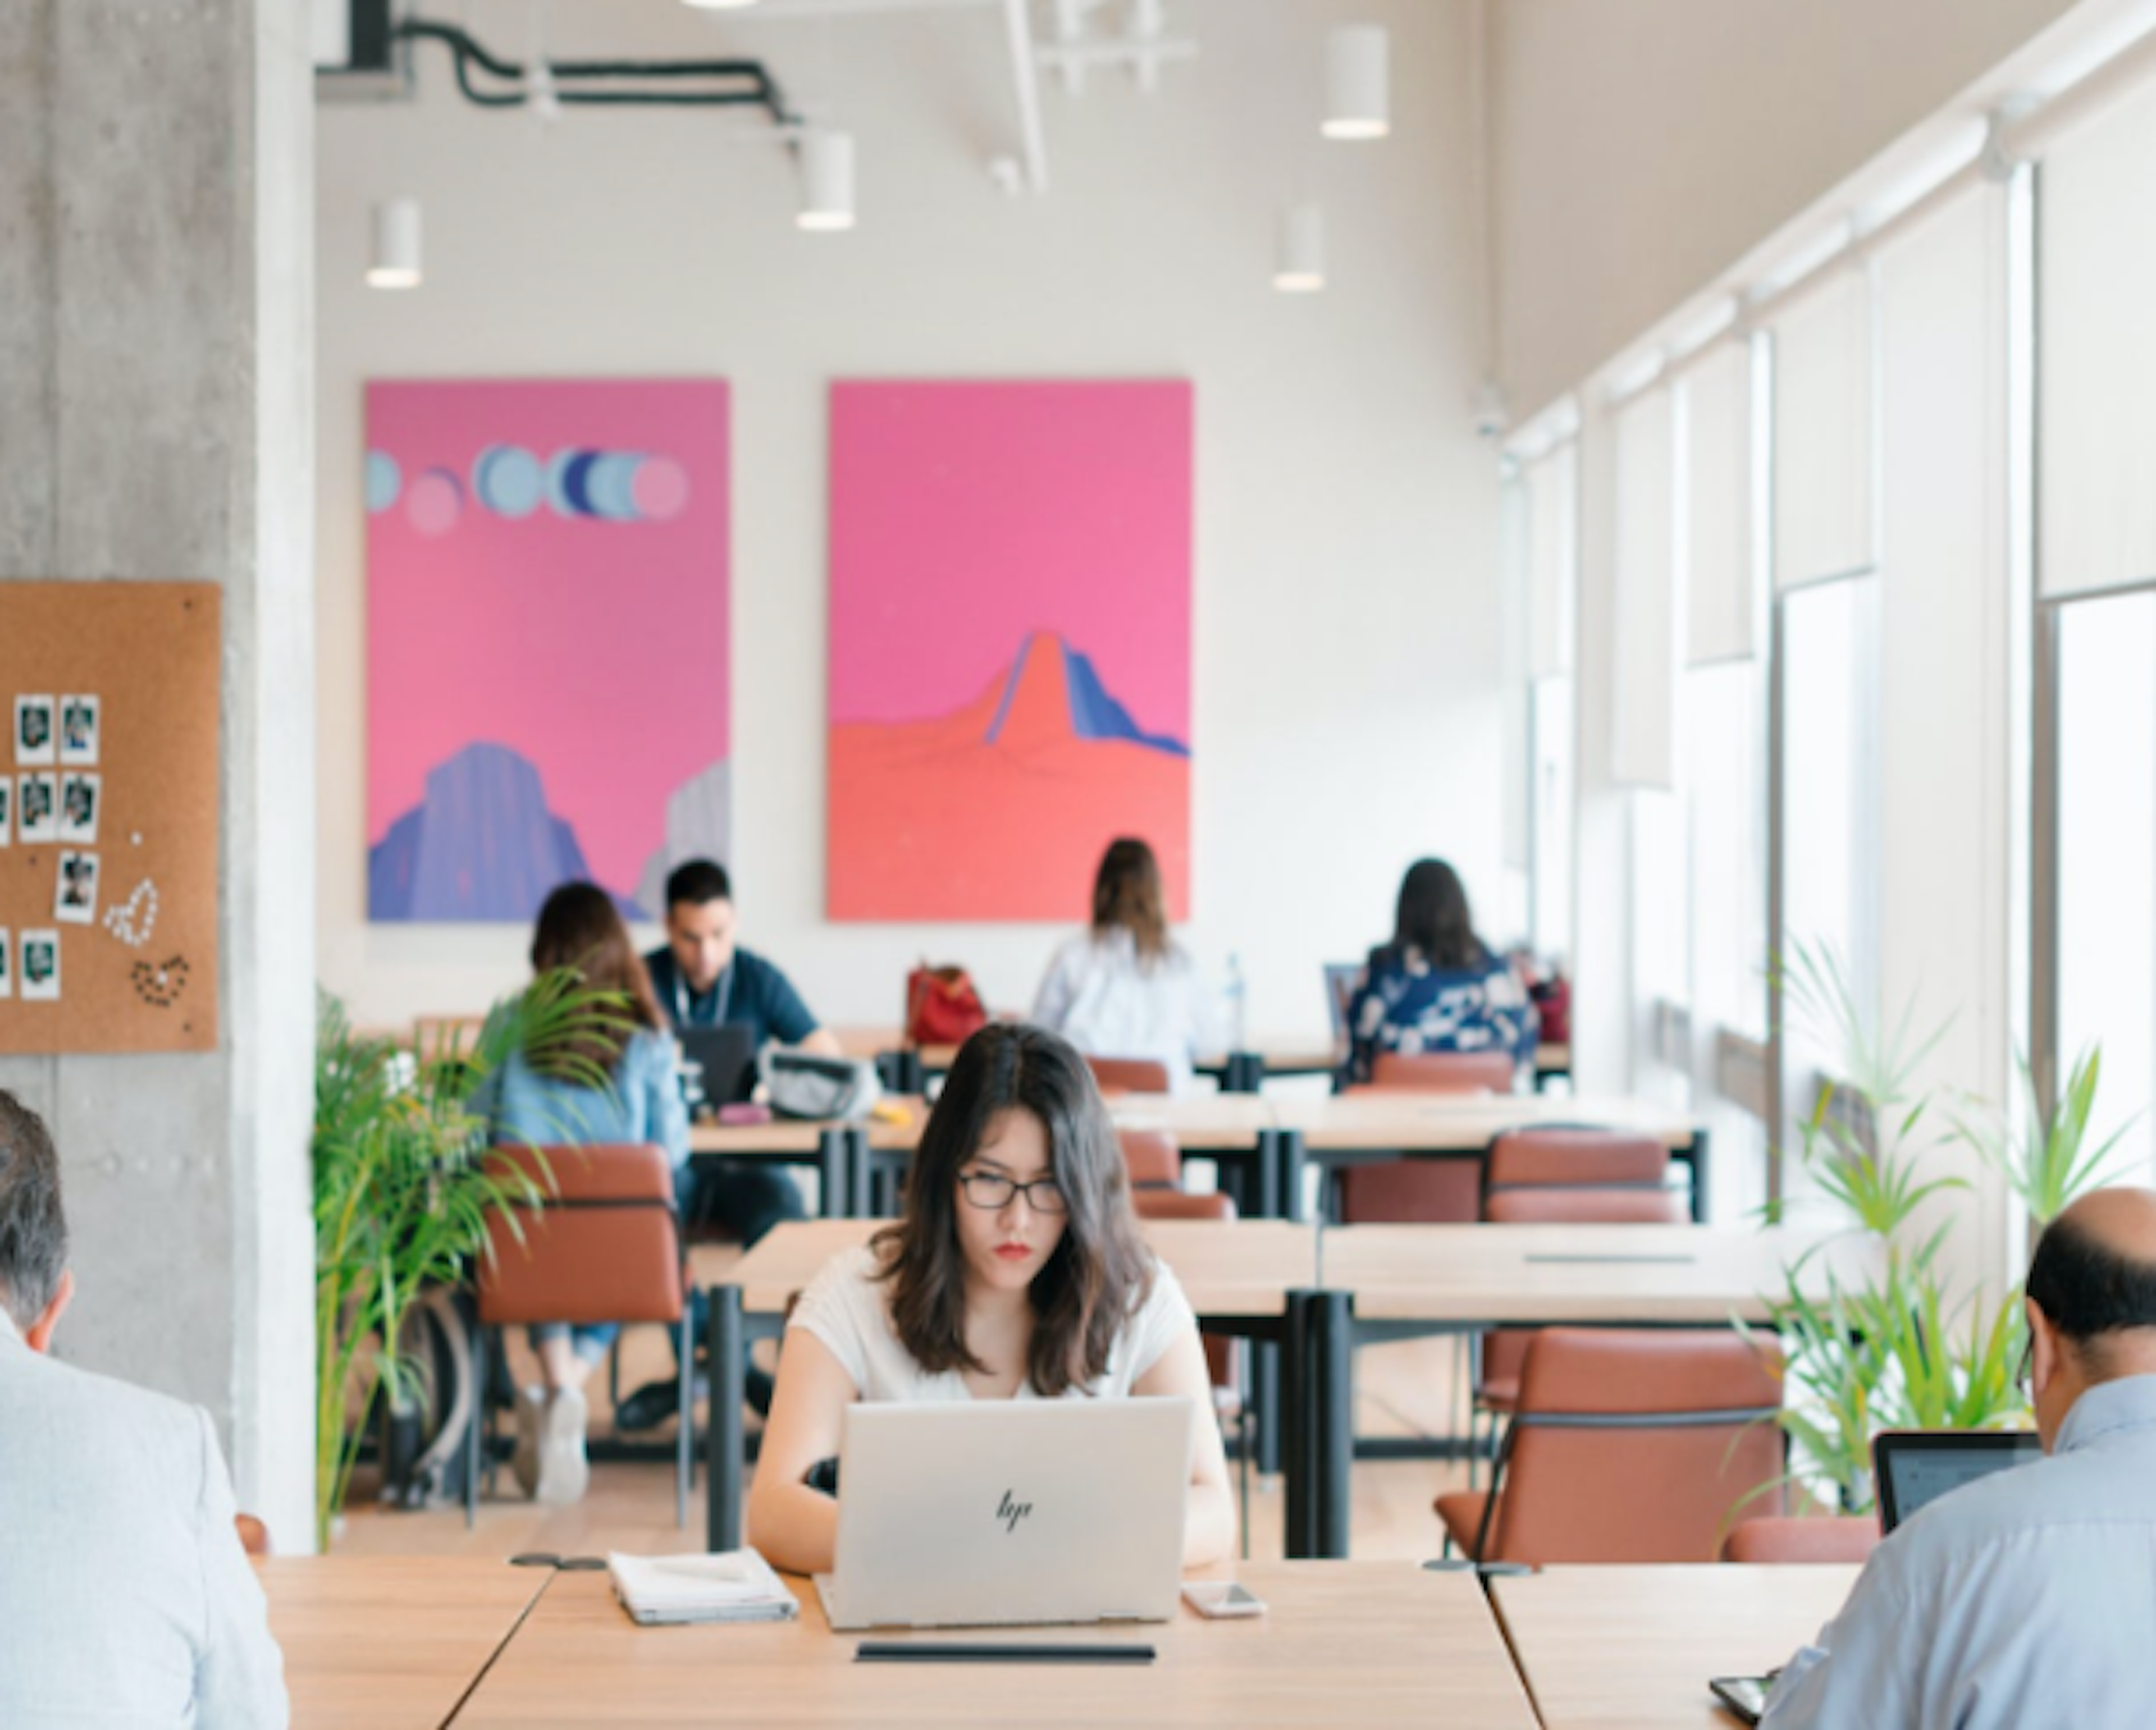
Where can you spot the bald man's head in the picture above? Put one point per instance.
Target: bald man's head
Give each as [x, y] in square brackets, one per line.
[2094, 1277]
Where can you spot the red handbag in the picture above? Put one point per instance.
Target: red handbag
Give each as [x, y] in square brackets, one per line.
[942, 1007]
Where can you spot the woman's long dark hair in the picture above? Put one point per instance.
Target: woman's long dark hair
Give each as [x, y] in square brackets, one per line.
[1101, 1272]
[580, 928]
[1433, 920]
[1127, 895]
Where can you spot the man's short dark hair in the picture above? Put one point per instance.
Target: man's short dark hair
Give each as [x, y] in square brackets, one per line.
[697, 882]
[2085, 1288]
[33, 1229]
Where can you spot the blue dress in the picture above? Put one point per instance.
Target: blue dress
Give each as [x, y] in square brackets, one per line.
[1404, 1005]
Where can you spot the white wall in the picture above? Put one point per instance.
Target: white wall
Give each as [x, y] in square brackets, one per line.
[1644, 146]
[1347, 613]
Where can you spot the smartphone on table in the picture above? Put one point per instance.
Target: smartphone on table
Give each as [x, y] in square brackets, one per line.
[1214, 1598]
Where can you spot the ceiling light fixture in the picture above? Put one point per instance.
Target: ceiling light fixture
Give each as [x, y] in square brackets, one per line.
[1299, 267]
[1357, 101]
[395, 261]
[720, 5]
[827, 181]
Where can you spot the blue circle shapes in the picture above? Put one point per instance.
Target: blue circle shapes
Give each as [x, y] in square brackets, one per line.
[508, 481]
[610, 485]
[385, 482]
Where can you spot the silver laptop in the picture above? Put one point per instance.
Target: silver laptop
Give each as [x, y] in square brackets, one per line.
[956, 1514]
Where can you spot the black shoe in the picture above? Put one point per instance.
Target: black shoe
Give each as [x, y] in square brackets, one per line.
[651, 1405]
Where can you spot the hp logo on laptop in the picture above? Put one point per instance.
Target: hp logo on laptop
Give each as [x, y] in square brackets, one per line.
[1010, 1512]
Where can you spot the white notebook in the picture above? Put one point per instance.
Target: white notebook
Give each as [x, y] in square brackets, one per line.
[729, 1586]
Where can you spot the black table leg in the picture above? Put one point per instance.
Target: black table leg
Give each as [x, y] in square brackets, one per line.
[1332, 1391]
[834, 1169]
[1297, 1433]
[1291, 1158]
[1699, 1192]
[726, 1456]
[1265, 1403]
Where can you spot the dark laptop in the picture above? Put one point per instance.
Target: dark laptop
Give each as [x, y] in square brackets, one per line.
[1914, 1468]
[720, 1064]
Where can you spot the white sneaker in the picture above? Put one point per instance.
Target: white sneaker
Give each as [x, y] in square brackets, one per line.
[564, 1473]
[524, 1463]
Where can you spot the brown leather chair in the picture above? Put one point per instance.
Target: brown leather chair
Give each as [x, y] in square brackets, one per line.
[1627, 1447]
[1152, 1158]
[1789, 1538]
[1428, 1192]
[604, 1246]
[1175, 1204]
[1129, 1075]
[1562, 1176]
[254, 1535]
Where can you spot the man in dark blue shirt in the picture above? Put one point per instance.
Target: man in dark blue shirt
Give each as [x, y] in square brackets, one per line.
[703, 978]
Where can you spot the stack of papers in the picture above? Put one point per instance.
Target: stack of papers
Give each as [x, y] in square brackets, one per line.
[731, 1586]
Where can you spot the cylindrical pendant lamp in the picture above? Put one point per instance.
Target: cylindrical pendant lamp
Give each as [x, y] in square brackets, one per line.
[1299, 267]
[1358, 95]
[394, 263]
[827, 181]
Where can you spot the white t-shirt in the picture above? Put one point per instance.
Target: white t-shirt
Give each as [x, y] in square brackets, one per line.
[848, 1308]
[1100, 997]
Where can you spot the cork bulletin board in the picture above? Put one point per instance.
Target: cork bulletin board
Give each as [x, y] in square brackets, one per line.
[108, 837]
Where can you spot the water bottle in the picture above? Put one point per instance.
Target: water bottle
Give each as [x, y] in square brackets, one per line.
[1238, 1006]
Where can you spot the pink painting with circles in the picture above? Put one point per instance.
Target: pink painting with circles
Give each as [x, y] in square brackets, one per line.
[547, 655]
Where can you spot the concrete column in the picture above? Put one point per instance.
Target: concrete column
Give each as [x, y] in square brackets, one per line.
[156, 423]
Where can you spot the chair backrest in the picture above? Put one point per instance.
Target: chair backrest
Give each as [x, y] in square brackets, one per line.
[1443, 1072]
[1129, 1075]
[1578, 1176]
[254, 1535]
[1152, 1158]
[1636, 1446]
[603, 1247]
[1815, 1540]
[1176, 1205]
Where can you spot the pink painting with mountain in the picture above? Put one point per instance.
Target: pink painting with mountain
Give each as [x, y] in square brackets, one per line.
[1010, 644]
[547, 685]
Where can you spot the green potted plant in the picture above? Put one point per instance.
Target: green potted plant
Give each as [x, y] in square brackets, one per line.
[403, 1190]
[1897, 1351]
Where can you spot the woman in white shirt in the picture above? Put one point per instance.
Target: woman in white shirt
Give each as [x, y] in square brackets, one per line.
[1017, 1272]
[1124, 988]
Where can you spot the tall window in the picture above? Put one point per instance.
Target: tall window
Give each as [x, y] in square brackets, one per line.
[2106, 981]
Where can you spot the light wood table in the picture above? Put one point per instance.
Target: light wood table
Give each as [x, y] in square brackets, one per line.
[832, 1148]
[1368, 1644]
[1602, 1648]
[1356, 1128]
[1238, 1276]
[382, 1642]
[1385, 1282]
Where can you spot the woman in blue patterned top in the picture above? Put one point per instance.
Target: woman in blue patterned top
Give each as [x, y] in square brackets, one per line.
[579, 927]
[1436, 987]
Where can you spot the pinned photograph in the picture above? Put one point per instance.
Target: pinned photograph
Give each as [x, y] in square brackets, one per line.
[79, 730]
[37, 807]
[74, 895]
[7, 964]
[79, 795]
[34, 740]
[6, 810]
[41, 966]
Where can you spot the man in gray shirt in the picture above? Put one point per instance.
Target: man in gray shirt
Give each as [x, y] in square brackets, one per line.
[2028, 1597]
[124, 1596]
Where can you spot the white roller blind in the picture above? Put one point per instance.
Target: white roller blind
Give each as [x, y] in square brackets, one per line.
[1643, 742]
[1824, 416]
[1516, 741]
[1716, 548]
[1553, 557]
[2097, 383]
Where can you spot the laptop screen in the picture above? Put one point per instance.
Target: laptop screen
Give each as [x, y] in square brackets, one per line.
[1915, 1468]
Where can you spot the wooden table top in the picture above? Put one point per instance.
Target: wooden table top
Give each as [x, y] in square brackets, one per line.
[381, 1642]
[1373, 1644]
[1244, 1268]
[1608, 1647]
[1453, 1121]
[1575, 1273]
[1200, 1121]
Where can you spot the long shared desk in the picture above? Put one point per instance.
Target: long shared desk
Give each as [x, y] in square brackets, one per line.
[1321, 1294]
[402, 1643]
[1263, 1146]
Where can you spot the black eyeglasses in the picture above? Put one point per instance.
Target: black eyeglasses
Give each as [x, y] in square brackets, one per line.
[2028, 1359]
[993, 1192]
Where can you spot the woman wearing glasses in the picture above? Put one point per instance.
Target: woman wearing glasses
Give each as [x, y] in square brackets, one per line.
[1017, 1272]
